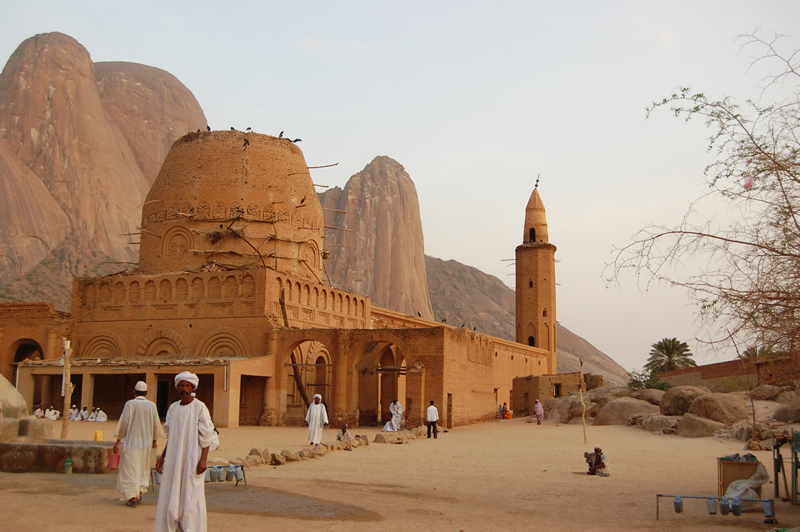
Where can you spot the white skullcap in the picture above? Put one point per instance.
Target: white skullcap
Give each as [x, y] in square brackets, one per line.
[189, 377]
[141, 386]
[318, 395]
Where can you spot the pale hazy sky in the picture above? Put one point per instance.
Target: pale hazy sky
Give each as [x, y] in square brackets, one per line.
[474, 99]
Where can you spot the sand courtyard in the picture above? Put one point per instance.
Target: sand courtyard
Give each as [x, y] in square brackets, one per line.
[506, 475]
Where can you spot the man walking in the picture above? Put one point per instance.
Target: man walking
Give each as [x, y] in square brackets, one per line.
[190, 432]
[433, 417]
[138, 431]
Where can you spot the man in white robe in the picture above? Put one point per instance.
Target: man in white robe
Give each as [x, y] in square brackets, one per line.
[138, 431]
[101, 416]
[74, 413]
[51, 413]
[190, 432]
[396, 409]
[93, 415]
[84, 414]
[39, 412]
[316, 418]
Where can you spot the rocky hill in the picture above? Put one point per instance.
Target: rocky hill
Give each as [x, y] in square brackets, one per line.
[464, 295]
[85, 139]
[378, 248]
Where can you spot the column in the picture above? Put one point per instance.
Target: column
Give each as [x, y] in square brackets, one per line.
[340, 410]
[87, 393]
[274, 391]
[54, 348]
[416, 407]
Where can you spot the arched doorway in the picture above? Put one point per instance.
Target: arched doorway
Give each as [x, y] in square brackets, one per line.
[314, 367]
[382, 378]
[29, 349]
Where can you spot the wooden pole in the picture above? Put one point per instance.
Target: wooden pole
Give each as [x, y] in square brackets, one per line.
[583, 414]
[68, 388]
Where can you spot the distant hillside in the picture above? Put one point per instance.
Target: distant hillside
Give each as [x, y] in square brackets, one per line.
[464, 295]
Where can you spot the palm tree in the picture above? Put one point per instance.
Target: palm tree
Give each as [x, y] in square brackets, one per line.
[757, 352]
[669, 354]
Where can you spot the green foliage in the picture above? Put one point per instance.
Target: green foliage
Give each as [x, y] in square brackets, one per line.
[669, 354]
[644, 380]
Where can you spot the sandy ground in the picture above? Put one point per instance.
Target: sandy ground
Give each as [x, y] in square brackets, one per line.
[507, 475]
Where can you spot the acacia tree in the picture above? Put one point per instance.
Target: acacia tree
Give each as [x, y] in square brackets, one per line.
[669, 354]
[749, 282]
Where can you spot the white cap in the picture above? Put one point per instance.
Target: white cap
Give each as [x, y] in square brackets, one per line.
[141, 386]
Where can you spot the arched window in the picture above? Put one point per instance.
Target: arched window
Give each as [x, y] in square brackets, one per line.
[544, 313]
[531, 341]
[532, 234]
[530, 283]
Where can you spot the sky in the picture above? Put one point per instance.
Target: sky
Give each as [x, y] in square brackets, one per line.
[475, 100]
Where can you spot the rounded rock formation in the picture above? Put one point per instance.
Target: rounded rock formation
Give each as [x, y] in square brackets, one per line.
[677, 400]
[722, 407]
[620, 411]
[230, 199]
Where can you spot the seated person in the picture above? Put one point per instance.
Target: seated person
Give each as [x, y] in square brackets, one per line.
[39, 412]
[52, 413]
[598, 462]
[344, 437]
[101, 416]
[93, 415]
[83, 415]
[74, 413]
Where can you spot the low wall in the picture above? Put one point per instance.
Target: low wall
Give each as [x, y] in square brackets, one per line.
[48, 457]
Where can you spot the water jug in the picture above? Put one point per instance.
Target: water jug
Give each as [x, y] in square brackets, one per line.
[229, 474]
[68, 466]
[113, 461]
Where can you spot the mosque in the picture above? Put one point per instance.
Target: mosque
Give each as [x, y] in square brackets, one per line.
[231, 286]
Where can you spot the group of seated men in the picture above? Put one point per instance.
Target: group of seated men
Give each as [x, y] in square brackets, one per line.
[85, 415]
[47, 412]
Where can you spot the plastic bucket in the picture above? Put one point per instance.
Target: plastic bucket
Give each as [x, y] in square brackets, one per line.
[113, 461]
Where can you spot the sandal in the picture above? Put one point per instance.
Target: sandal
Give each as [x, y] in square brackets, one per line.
[132, 503]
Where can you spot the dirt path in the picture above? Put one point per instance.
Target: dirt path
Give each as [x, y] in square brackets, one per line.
[507, 475]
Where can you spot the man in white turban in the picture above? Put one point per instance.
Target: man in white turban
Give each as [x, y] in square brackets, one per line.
[138, 431]
[316, 418]
[190, 432]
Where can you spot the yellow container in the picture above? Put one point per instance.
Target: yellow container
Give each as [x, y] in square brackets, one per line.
[98, 435]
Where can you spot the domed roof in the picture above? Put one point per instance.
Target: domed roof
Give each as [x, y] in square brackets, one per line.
[232, 199]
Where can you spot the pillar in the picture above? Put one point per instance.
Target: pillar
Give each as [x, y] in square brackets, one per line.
[416, 406]
[54, 348]
[26, 383]
[340, 410]
[274, 391]
[87, 393]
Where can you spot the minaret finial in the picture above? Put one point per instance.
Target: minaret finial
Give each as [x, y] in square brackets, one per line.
[537, 181]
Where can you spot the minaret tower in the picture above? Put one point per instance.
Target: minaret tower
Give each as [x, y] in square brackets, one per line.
[536, 282]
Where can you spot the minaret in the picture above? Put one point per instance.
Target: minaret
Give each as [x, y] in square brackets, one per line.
[536, 282]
